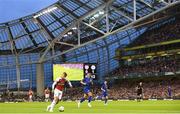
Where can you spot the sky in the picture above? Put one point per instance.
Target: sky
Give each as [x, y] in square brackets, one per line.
[14, 9]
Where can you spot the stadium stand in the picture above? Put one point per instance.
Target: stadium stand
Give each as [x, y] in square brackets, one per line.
[167, 32]
[149, 67]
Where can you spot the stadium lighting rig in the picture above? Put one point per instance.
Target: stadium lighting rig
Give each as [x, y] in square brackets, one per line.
[65, 35]
[97, 15]
[74, 28]
[45, 12]
[70, 32]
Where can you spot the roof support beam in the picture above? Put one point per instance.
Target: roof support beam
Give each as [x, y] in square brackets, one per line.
[13, 48]
[47, 35]
[40, 31]
[93, 22]
[64, 43]
[125, 5]
[30, 36]
[134, 9]
[121, 13]
[98, 45]
[19, 36]
[126, 27]
[74, 24]
[147, 4]
[107, 17]
[57, 19]
[96, 29]
[41, 24]
[12, 43]
[165, 2]
[79, 35]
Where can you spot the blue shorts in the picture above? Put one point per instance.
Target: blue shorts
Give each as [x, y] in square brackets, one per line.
[86, 90]
[104, 94]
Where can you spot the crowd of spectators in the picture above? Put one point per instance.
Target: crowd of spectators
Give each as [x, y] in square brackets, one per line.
[167, 32]
[127, 90]
[147, 67]
[151, 90]
[124, 89]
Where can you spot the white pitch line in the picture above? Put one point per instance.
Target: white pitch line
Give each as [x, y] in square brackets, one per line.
[98, 113]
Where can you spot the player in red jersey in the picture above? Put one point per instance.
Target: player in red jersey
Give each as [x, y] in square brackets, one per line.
[30, 94]
[47, 94]
[58, 87]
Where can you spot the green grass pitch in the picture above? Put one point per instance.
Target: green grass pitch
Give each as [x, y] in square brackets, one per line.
[116, 107]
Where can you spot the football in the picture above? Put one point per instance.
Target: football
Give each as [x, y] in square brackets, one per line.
[61, 109]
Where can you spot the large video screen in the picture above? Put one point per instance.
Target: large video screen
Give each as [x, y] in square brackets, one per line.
[75, 71]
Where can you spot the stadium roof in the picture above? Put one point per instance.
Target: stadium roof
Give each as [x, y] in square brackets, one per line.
[69, 24]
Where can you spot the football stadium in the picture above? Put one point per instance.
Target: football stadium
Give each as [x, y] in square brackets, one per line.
[90, 57]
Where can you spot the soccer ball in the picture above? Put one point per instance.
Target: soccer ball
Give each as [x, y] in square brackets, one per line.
[61, 109]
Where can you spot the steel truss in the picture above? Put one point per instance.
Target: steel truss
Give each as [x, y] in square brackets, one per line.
[106, 7]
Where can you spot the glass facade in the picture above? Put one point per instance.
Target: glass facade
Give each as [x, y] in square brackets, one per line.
[100, 52]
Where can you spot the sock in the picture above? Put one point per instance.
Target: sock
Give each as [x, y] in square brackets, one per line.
[89, 99]
[82, 100]
[53, 104]
[138, 99]
[105, 100]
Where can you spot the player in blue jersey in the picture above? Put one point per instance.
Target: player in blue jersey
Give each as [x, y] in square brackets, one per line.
[86, 82]
[104, 89]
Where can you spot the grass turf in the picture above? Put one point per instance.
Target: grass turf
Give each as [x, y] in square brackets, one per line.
[121, 107]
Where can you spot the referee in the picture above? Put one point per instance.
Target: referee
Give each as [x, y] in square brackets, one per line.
[139, 92]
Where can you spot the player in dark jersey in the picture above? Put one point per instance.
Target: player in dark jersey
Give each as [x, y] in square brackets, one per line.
[86, 82]
[104, 89]
[169, 92]
[139, 92]
[58, 87]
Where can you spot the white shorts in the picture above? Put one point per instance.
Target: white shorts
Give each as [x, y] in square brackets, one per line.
[58, 93]
[30, 96]
[47, 96]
